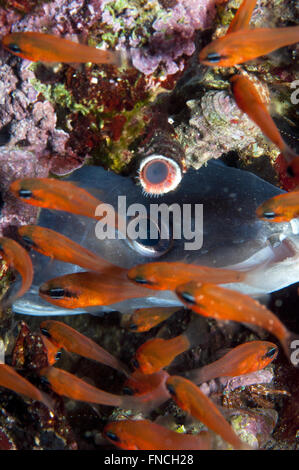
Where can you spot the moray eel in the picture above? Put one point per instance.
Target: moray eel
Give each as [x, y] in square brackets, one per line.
[232, 236]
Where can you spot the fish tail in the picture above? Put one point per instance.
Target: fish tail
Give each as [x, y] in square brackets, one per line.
[290, 346]
[289, 154]
[122, 59]
[47, 401]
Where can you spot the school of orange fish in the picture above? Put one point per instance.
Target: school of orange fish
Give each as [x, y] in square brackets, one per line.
[103, 284]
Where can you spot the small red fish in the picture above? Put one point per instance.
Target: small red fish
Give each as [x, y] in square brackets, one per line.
[87, 289]
[57, 246]
[55, 194]
[281, 208]
[168, 275]
[146, 435]
[51, 193]
[63, 336]
[244, 45]
[243, 16]
[218, 302]
[157, 353]
[192, 400]
[244, 359]
[17, 258]
[143, 319]
[48, 48]
[10, 379]
[70, 386]
[250, 102]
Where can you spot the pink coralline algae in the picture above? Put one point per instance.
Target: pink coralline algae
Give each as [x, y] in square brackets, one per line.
[171, 36]
[60, 18]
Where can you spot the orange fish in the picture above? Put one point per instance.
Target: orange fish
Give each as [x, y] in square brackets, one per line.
[146, 435]
[10, 379]
[281, 208]
[51, 193]
[70, 386]
[168, 275]
[250, 102]
[139, 383]
[63, 336]
[244, 45]
[57, 246]
[192, 400]
[143, 319]
[218, 302]
[87, 289]
[242, 17]
[17, 258]
[55, 194]
[244, 359]
[47, 48]
[157, 353]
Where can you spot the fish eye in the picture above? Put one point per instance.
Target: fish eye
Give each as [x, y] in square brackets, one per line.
[44, 380]
[141, 280]
[132, 326]
[269, 214]
[14, 48]
[214, 57]
[58, 356]
[128, 391]
[56, 293]
[135, 363]
[171, 389]
[112, 436]
[187, 297]
[270, 353]
[45, 332]
[25, 193]
[28, 240]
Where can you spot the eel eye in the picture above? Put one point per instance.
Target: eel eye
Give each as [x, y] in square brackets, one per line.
[25, 193]
[112, 436]
[159, 174]
[154, 239]
[270, 353]
[214, 57]
[14, 48]
[187, 297]
[269, 215]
